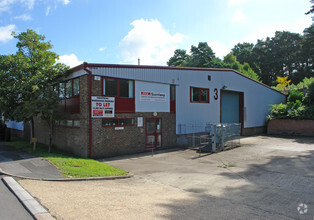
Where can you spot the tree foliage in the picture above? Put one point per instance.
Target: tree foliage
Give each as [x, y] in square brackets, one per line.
[203, 56]
[26, 79]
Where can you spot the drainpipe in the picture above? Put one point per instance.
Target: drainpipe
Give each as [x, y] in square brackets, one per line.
[90, 109]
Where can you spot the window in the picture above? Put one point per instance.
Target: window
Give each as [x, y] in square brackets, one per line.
[111, 87]
[118, 87]
[61, 90]
[200, 95]
[123, 91]
[76, 123]
[68, 123]
[126, 88]
[114, 122]
[76, 86]
[172, 92]
[68, 89]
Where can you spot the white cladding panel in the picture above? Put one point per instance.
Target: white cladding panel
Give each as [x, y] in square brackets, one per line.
[152, 104]
[257, 98]
[144, 74]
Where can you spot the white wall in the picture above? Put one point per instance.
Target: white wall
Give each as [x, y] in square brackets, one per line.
[257, 98]
[152, 106]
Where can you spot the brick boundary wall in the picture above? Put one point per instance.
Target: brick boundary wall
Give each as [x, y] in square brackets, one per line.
[291, 127]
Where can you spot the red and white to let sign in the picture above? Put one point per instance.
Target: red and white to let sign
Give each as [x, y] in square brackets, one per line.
[102, 107]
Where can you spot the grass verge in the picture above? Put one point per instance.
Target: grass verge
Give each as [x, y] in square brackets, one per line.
[70, 166]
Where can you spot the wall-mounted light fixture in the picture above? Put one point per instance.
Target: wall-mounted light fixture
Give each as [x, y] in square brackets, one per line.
[224, 87]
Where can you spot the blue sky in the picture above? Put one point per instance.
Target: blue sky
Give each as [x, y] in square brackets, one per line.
[121, 31]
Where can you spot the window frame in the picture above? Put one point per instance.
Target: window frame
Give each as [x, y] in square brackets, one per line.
[118, 125]
[118, 87]
[64, 83]
[200, 89]
[67, 126]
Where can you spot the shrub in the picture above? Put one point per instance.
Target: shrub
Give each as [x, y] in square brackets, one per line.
[295, 95]
[309, 98]
[278, 111]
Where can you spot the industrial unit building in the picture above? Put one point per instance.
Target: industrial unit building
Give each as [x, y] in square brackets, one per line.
[112, 110]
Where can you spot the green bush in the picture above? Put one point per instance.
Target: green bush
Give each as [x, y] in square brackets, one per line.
[309, 112]
[295, 95]
[309, 98]
[297, 107]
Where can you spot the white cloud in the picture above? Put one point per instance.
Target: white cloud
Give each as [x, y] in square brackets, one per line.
[219, 48]
[70, 60]
[238, 17]
[236, 2]
[6, 4]
[269, 30]
[102, 49]
[23, 17]
[150, 42]
[48, 10]
[29, 3]
[5, 32]
[65, 2]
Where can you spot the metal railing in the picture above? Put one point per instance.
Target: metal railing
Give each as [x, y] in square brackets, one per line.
[211, 137]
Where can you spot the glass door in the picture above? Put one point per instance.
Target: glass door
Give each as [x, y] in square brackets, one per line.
[153, 132]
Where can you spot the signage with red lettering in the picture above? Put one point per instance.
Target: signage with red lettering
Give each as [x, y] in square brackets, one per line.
[152, 96]
[102, 107]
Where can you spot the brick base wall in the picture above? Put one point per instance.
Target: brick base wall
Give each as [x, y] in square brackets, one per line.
[69, 139]
[107, 141]
[291, 127]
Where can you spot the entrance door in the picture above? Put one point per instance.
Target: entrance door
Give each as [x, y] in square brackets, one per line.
[232, 107]
[153, 132]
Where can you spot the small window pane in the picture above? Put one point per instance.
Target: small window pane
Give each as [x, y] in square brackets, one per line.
[128, 121]
[62, 122]
[126, 88]
[61, 90]
[204, 95]
[110, 122]
[76, 86]
[76, 123]
[68, 89]
[172, 92]
[69, 123]
[110, 87]
[195, 94]
[150, 140]
[158, 144]
[158, 125]
[150, 126]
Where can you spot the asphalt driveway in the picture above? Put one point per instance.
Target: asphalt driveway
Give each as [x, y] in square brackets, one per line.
[265, 178]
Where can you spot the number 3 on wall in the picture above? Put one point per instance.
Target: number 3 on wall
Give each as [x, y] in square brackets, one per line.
[216, 93]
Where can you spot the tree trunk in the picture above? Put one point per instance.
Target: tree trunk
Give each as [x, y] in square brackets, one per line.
[50, 138]
[32, 133]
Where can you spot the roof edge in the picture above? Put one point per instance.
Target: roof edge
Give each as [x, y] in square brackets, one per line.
[85, 64]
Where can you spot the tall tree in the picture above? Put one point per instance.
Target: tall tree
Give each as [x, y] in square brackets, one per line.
[180, 58]
[26, 79]
[201, 55]
[311, 11]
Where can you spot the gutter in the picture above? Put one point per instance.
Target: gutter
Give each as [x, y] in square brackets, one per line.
[90, 110]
